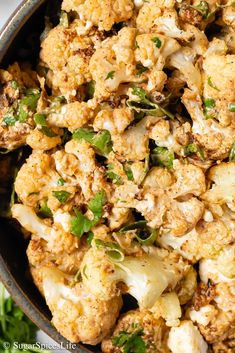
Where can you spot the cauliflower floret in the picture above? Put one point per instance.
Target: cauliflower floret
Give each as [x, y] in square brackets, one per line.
[228, 16]
[67, 56]
[215, 139]
[77, 314]
[72, 116]
[113, 63]
[168, 307]
[103, 14]
[186, 339]
[223, 189]
[219, 85]
[102, 275]
[115, 121]
[38, 141]
[183, 60]
[187, 286]
[57, 239]
[150, 332]
[153, 49]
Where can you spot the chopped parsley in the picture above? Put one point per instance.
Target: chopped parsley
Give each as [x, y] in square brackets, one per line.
[89, 238]
[40, 120]
[232, 153]
[209, 111]
[44, 210]
[157, 42]
[9, 120]
[101, 141]
[113, 176]
[60, 182]
[62, 196]
[110, 75]
[131, 342]
[128, 172]
[194, 149]
[203, 9]
[140, 69]
[80, 224]
[162, 156]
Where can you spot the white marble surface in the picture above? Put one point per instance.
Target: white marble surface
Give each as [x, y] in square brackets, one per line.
[6, 9]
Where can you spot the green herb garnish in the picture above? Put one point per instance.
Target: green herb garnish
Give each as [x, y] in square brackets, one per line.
[90, 237]
[101, 141]
[144, 104]
[162, 156]
[203, 8]
[157, 42]
[231, 107]
[211, 83]
[131, 342]
[140, 69]
[9, 120]
[232, 153]
[193, 148]
[40, 119]
[44, 210]
[128, 172]
[60, 182]
[14, 84]
[113, 176]
[62, 196]
[80, 224]
[136, 225]
[110, 75]
[113, 250]
[90, 89]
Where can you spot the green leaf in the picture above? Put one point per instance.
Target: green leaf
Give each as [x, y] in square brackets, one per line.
[9, 120]
[90, 89]
[90, 237]
[203, 8]
[131, 342]
[157, 42]
[231, 107]
[60, 182]
[140, 69]
[101, 141]
[62, 196]
[143, 103]
[14, 84]
[80, 224]
[211, 84]
[136, 225]
[31, 99]
[209, 103]
[47, 131]
[193, 148]
[113, 176]
[146, 238]
[44, 210]
[232, 153]
[128, 172]
[40, 119]
[162, 156]
[110, 75]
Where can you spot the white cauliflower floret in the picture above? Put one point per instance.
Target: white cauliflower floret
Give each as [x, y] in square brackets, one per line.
[113, 63]
[223, 188]
[150, 332]
[215, 139]
[153, 49]
[228, 15]
[77, 314]
[102, 274]
[219, 84]
[187, 286]
[72, 116]
[200, 42]
[183, 60]
[168, 307]
[38, 141]
[115, 121]
[103, 14]
[57, 239]
[186, 339]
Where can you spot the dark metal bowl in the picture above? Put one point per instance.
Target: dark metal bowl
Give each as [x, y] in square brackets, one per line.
[20, 40]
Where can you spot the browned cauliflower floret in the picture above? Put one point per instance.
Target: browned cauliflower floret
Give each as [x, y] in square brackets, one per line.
[67, 56]
[103, 14]
[219, 87]
[228, 15]
[18, 102]
[39, 141]
[215, 139]
[77, 314]
[139, 326]
[115, 121]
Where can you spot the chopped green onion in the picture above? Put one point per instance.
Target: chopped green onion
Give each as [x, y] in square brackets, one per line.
[211, 84]
[136, 225]
[209, 103]
[148, 239]
[113, 250]
[60, 182]
[157, 42]
[62, 196]
[110, 75]
[231, 107]
[232, 153]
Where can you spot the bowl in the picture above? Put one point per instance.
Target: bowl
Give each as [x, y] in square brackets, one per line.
[20, 40]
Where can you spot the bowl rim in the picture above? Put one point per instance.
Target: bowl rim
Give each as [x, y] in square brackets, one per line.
[7, 34]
